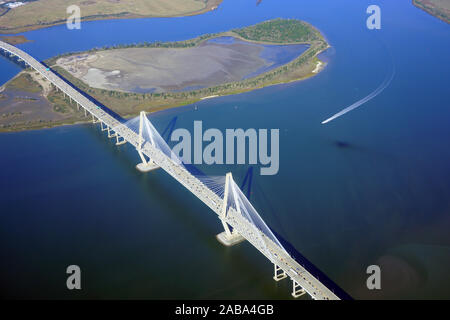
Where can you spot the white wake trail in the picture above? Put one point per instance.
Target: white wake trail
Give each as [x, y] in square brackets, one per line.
[358, 103]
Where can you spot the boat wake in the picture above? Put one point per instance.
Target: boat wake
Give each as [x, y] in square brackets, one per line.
[358, 103]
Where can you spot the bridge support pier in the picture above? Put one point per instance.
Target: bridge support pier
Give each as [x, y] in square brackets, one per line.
[228, 237]
[93, 119]
[111, 135]
[144, 166]
[118, 141]
[297, 290]
[277, 274]
[103, 128]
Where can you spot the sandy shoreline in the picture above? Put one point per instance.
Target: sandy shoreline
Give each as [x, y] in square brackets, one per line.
[318, 67]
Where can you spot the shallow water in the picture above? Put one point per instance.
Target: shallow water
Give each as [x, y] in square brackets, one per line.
[274, 55]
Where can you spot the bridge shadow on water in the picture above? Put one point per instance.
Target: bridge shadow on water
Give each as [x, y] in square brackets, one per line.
[176, 207]
[199, 229]
[308, 265]
[241, 258]
[302, 260]
[249, 183]
[13, 59]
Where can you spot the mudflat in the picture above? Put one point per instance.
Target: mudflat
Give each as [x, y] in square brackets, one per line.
[44, 13]
[167, 69]
[211, 65]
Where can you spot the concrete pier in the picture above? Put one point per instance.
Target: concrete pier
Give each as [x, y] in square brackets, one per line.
[146, 167]
[279, 273]
[229, 240]
[297, 290]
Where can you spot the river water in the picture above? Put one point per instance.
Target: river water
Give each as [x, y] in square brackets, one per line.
[372, 187]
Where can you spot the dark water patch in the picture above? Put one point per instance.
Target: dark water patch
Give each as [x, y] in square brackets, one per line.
[312, 269]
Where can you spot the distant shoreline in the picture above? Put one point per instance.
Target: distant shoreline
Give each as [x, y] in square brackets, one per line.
[440, 13]
[210, 6]
[128, 104]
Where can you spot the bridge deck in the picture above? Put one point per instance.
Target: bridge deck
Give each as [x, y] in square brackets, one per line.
[272, 251]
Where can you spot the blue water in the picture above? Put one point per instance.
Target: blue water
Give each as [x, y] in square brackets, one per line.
[372, 187]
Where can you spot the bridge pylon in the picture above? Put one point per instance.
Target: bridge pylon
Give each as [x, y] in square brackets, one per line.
[145, 165]
[228, 237]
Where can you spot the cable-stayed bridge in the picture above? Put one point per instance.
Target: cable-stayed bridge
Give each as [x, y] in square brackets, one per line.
[221, 194]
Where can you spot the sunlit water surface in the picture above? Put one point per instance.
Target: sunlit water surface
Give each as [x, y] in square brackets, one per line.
[372, 187]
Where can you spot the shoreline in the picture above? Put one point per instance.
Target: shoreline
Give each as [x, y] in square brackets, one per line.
[114, 16]
[164, 108]
[15, 40]
[303, 67]
[428, 10]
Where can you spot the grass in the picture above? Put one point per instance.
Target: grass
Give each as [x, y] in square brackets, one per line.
[60, 104]
[24, 82]
[44, 13]
[280, 31]
[14, 40]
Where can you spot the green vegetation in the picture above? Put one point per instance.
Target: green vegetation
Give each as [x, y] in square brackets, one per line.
[45, 13]
[24, 82]
[14, 40]
[280, 31]
[58, 102]
[157, 44]
[37, 115]
[130, 104]
[273, 31]
[277, 31]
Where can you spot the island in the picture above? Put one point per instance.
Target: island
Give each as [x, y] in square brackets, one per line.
[36, 14]
[159, 75]
[438, 8]
[14, 40]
